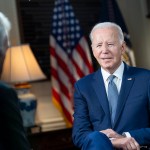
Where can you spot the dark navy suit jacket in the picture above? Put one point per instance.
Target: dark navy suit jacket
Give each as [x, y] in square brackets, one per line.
[133, 110]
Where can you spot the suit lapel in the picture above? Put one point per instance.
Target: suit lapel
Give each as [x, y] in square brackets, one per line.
[126, 86]
[99, 87]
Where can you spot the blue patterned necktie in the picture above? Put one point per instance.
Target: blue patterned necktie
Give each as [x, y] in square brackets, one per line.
[112, 97]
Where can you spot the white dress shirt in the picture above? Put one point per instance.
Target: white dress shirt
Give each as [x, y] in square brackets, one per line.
[118, 80]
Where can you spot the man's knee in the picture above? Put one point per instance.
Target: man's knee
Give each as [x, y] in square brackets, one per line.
[97, 141]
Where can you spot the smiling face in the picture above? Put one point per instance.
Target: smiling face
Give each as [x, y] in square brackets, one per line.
[107, 48]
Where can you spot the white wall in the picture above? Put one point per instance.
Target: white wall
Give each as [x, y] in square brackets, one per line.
[134, 12]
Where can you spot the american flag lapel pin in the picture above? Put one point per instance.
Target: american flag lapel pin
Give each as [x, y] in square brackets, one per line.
[129, 79]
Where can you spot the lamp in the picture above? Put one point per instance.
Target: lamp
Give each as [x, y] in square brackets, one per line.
[21, 67]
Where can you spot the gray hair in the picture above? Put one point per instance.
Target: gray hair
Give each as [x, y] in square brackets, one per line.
[5, 27]
[108, 25]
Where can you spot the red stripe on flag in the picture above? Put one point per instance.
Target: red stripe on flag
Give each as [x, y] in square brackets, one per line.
[59, 100]
[63, 88]
[84, 56]
[62, 65]
[79, 71]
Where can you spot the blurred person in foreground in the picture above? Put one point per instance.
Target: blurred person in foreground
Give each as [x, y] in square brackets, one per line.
[112, 114]
[12, 133]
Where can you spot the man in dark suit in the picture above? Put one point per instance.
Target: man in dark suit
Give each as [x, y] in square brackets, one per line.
[108, 114]
[12, 134]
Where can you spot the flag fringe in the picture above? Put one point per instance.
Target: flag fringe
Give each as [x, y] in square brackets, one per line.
[58, 106]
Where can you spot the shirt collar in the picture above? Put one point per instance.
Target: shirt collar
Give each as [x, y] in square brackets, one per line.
[118, 73]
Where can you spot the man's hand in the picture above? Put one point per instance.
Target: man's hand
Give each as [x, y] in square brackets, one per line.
[125, 143]
[121, 142]
[111, 133]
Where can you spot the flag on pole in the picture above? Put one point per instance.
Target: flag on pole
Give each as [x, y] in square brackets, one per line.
[110, 12]
[69, 55]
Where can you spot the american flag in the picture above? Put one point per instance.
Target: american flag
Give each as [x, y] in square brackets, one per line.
[69, 55]
[110, 12]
